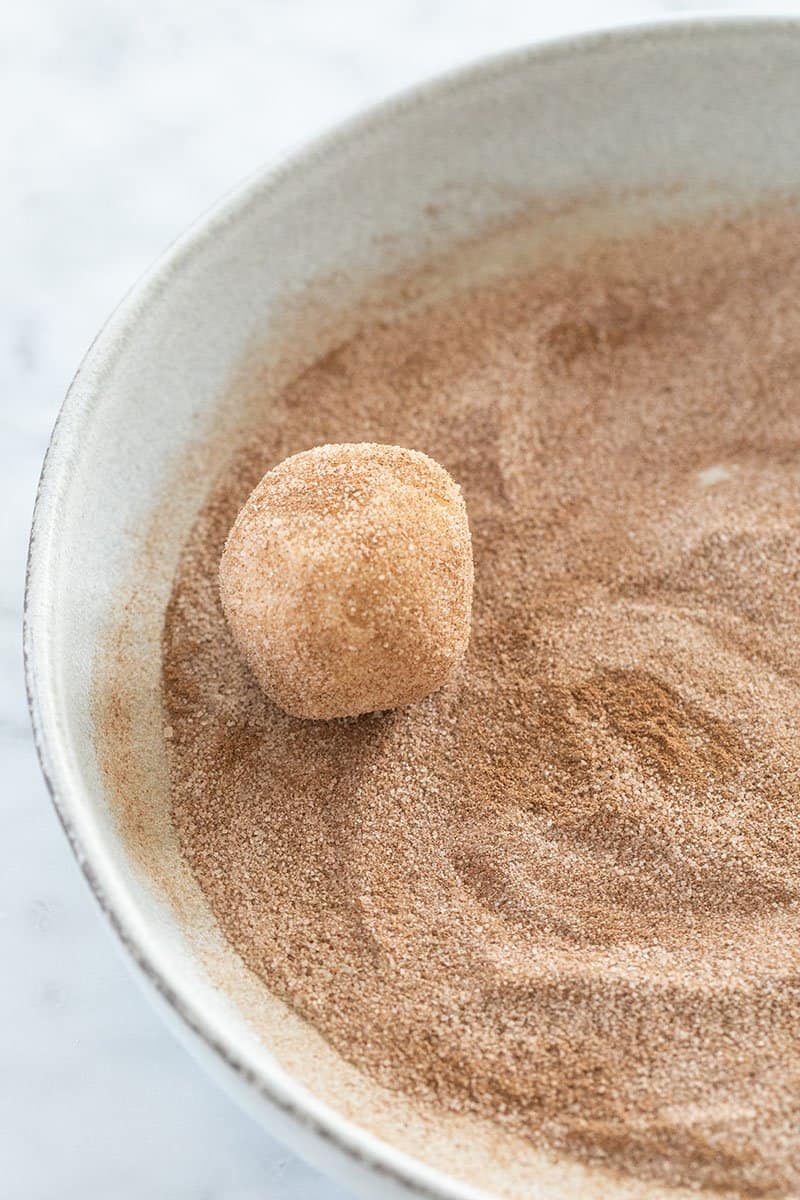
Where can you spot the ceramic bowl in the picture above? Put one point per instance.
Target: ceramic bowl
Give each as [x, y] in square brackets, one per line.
[687, 110]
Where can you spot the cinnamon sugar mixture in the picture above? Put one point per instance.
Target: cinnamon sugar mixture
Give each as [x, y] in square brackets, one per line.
[561, 893]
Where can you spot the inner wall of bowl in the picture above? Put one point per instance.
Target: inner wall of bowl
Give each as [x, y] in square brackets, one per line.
[681, 119]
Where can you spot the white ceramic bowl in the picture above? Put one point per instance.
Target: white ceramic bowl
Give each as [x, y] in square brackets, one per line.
[711, 107]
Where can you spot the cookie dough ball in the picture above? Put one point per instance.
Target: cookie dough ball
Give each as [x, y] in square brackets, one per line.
[347, 579]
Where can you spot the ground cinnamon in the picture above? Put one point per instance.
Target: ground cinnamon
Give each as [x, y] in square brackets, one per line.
[562, 892]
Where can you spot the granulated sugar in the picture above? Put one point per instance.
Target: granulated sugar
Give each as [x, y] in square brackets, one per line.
[562, 893]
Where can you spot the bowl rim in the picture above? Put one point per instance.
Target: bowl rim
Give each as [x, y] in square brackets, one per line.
[313, 1118]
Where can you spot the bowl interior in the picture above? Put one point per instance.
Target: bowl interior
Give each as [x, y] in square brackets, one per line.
[585, 136]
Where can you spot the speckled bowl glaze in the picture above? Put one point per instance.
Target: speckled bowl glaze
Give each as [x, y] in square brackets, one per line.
[704, 106]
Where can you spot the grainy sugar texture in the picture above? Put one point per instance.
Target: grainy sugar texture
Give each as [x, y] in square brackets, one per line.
[347, 579]
[562, 892]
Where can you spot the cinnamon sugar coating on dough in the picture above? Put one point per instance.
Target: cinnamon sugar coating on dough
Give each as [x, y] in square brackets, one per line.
[347, 579]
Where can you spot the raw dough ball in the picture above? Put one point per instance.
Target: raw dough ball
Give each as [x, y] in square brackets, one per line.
[347, 579]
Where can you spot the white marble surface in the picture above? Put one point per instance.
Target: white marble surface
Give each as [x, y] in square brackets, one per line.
[120, 123]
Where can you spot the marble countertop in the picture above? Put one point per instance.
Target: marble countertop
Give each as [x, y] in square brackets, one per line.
[121, 122]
